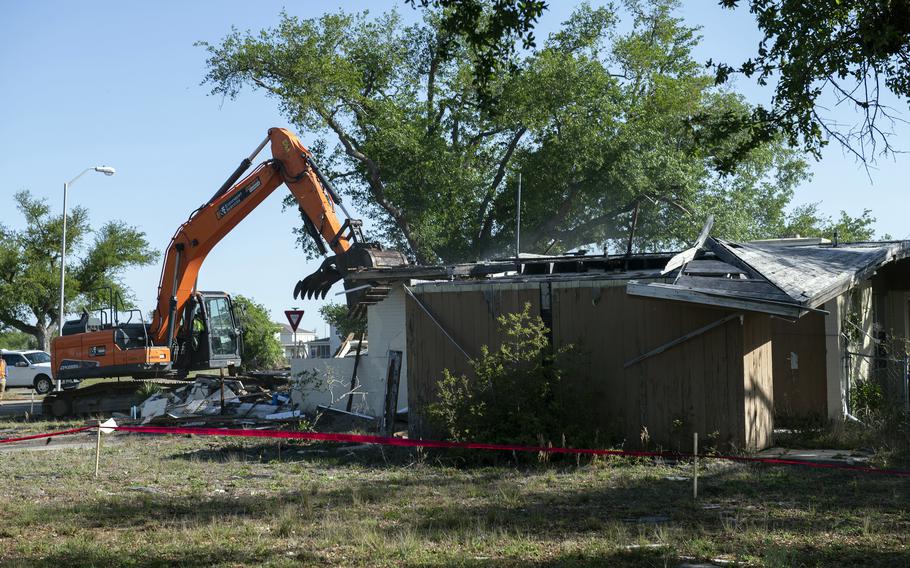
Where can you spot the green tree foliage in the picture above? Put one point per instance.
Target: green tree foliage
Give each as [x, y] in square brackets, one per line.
[806, 221]
[491, 28]
[516, 394]
[30, 265]
[848, 52]
[16, 340]
[261, 349]
[345, 323]
[600, 123]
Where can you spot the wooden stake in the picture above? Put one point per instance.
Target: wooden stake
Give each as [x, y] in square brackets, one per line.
[354, 374]
[98, 449]
[695, 476]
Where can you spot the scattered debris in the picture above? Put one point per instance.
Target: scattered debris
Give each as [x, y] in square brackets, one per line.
[323, 408]
[210, 398]
[283, 415]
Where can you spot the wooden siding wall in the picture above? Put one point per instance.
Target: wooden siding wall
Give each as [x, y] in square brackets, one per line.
[470, 318]
[758, 399]
[801, 392]
[718, 383]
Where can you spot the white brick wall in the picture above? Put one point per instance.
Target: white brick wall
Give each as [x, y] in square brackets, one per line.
[385, 331]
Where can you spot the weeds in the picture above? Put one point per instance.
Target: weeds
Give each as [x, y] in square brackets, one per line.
[325, 509]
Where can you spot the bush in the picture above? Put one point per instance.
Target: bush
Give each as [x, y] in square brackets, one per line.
[517, 393]
[261, 350]
[867, 399]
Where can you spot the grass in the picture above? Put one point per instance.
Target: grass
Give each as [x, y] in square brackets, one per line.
[193, 501]
[884, 435]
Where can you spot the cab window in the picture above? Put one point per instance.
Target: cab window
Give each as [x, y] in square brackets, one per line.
[221, 332]
[13, 358]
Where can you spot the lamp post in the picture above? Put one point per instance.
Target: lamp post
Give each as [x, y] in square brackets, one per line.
[106, 170]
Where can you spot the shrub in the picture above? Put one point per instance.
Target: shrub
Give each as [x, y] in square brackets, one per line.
[867, 399]
[261, 350]
[517, 392]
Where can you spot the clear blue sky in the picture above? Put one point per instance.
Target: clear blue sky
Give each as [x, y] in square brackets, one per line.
[87, 83]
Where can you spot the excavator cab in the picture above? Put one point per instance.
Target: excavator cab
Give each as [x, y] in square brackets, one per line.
[210, 336]
[102, 344]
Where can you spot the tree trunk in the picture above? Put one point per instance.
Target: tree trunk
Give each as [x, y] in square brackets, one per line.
[42, 334]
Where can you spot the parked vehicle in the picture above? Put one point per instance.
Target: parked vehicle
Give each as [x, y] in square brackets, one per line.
[30, 369]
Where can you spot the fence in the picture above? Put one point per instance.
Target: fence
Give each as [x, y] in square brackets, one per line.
[877, 381]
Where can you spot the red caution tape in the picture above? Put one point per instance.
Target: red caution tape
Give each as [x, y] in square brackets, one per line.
[47, 435]
[406, 442]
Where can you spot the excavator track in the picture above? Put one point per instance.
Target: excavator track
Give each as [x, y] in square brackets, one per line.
[104, 397]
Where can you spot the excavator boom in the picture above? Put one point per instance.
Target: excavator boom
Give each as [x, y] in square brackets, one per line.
[291, 164]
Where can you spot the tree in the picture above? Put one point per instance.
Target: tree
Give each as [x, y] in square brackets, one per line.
[806, 221]
[603, 127]
[16, 340]
[30, 265]
[343, 320]
[850, 53]
[490, 28]
[261, 349]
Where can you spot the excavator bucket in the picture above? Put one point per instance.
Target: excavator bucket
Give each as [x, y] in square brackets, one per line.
[337, 267]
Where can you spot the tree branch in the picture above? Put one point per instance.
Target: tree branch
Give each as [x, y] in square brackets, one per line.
[377, 188]
[580, 234]
[484, 217]
[20, 325]
[553, 221]
[431, 89]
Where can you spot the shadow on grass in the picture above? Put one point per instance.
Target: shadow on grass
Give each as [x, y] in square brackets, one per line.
[211, 556]
[294, 451]
[437, 505]
[86, 555]
[193, 557]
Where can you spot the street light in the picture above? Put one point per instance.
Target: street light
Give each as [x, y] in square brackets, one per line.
[106, 170]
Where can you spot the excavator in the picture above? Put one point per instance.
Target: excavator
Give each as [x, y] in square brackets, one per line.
[194, 330]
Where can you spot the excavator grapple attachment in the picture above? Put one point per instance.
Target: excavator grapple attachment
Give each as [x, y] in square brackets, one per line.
[337, 267]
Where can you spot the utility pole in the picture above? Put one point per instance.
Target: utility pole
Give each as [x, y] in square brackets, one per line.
[518, 220]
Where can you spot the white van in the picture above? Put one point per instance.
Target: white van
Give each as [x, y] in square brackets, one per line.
[29, 369]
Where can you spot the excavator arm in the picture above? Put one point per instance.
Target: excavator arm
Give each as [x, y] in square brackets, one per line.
[292, 165]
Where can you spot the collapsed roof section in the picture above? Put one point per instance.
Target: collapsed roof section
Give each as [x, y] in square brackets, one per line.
[784, 277]
[786, 281]
[375, 283]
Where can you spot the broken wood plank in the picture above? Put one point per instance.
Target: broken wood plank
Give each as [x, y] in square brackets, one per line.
[432, 317]
[750, 287]
[682, 339]
[393, 378]
[717, 299]
[711, 267]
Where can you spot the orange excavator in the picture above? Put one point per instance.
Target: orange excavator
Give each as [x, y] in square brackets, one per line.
[196, 330]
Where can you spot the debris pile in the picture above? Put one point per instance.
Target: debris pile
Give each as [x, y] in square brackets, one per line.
[212, 398]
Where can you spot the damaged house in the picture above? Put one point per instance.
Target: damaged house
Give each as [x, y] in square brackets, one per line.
[720, 339]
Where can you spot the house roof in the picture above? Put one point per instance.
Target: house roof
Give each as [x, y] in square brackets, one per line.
[787, 281]
[287, 329]
[783, 277]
